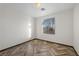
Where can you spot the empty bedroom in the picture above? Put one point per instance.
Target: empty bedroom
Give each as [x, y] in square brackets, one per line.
[39, 29]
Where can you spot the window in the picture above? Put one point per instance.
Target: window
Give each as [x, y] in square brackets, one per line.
[49, 26]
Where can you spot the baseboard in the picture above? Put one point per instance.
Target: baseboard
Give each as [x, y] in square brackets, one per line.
[59, 44]
[75, 51]
[42, 40]
[15, 45]
[53, 42]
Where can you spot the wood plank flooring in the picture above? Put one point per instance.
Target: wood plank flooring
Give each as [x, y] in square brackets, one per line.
[39, 48]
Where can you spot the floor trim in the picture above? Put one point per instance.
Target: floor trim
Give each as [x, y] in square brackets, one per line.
[75, 51]
[42, 40]
[59, 44]
[14, 45]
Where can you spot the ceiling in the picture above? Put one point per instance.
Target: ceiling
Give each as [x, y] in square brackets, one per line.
[49, 8]
[30, 9]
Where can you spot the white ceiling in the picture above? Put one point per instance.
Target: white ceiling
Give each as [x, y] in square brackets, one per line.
[49, 8]
[30, 9]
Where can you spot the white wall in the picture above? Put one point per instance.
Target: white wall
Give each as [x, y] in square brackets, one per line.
[76, 28]
[63, 30]
[14, 26]
[17, 27]
[33, 28]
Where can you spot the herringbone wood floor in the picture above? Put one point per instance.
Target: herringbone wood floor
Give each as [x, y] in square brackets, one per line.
[39, 48]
